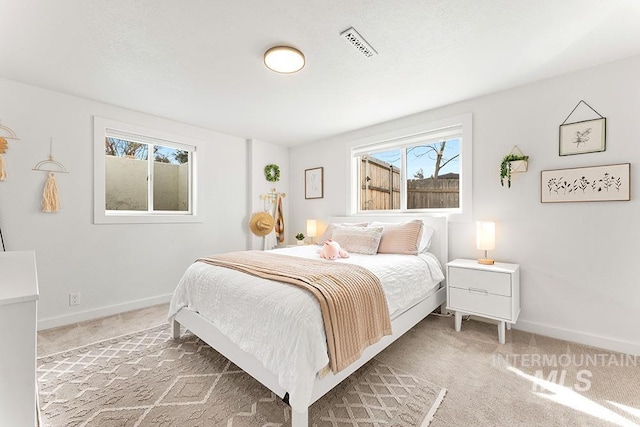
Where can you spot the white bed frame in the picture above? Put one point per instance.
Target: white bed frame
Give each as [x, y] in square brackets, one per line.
[206, 331]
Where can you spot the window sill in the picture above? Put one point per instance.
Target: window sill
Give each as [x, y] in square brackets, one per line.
[145, 219]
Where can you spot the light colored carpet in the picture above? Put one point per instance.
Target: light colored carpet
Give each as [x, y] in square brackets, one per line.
[529, 389]
[482, 390]
[149, 379]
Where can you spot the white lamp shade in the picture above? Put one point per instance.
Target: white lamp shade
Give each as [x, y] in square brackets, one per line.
[311, 228]
[486, 235]
[284, 59]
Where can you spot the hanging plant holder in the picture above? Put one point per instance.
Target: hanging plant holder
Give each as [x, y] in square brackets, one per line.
[514, 162]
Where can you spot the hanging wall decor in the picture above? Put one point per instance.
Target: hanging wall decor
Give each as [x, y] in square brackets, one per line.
[50, 196]
[272, 173]
[588, 184]
[586, 136]
[272, 203]
[5, 134]
[514, 162]
[314, 183]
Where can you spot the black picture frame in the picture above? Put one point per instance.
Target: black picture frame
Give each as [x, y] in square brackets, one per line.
[588, 136]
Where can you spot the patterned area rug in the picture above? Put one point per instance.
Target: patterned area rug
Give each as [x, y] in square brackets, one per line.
[149, 379]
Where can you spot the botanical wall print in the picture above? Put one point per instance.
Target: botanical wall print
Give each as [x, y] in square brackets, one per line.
[594, 183]
[583, 137]
[314, 183]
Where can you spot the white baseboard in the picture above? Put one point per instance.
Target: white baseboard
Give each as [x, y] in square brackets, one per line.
[607, 343]
[67, 319]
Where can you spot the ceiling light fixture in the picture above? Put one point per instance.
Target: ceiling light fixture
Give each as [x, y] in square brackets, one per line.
[284, 59]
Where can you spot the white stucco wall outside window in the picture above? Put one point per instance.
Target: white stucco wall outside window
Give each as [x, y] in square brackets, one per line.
[152, 180]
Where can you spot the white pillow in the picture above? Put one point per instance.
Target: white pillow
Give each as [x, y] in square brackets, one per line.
[360, 240]
[425, 240]
[331, 227]
[400, 238]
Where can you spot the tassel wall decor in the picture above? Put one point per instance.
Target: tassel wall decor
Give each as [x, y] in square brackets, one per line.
[3, 149]
[5, 133]
[50, 197]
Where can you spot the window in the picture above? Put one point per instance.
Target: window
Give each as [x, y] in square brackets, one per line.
[422, 169]
[142, 175]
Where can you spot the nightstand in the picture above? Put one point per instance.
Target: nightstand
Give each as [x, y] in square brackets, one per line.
[490, 291]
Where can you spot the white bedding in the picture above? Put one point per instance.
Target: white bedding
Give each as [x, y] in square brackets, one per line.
[250, 310]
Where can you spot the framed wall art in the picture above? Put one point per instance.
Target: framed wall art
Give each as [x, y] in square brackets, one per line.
[314, 183]
[587, 184]
[585, 136]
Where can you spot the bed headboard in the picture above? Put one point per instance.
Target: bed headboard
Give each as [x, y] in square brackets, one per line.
[439, 242]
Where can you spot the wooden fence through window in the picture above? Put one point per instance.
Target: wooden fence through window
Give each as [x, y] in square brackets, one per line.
[380, 188]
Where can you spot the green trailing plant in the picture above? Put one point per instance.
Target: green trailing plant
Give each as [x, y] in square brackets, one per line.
[505, 167]
[299, 236]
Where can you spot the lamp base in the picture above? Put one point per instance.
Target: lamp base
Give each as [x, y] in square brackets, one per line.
[485, 261]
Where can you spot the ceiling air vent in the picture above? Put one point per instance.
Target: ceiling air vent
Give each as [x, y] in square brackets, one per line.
[352, 36]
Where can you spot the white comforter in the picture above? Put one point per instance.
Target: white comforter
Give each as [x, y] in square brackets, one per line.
[281, 324]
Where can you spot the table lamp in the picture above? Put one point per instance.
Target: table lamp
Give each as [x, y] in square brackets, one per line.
[311, 229]
[485, 239]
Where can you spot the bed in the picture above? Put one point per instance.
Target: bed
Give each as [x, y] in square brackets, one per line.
[287, 351]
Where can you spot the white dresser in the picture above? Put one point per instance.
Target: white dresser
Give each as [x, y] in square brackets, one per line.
[491, 291]
[18, 313]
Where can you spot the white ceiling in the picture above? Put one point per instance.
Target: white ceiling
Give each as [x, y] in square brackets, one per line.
[200, 61]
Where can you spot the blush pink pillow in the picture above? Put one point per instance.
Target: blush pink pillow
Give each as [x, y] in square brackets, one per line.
[402, 238]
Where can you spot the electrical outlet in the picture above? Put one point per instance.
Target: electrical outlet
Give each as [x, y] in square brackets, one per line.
[74, 299]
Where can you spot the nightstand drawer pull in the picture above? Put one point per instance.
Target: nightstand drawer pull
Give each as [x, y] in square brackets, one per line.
[478, 291]
[496, 283]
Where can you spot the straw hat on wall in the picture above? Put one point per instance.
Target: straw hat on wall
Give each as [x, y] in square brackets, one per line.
[261, 223]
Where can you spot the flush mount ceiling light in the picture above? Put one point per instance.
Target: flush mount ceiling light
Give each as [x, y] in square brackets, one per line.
[284, 59]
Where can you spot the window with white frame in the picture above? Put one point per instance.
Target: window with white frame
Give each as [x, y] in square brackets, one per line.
[142, 175]
[421, 169]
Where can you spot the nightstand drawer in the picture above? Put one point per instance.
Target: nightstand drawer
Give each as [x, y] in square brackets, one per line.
[482, 303]
[492, 282]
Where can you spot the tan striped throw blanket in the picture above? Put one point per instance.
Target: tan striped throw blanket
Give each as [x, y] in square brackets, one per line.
[353, 304]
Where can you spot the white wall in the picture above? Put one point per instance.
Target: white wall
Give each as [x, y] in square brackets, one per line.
[113, 267]
[579, 262]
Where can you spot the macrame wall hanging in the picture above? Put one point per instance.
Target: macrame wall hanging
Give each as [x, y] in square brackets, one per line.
[50, 196]
[5, 134]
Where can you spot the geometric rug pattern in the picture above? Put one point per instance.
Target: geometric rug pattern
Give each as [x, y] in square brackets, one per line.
[150, 379]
